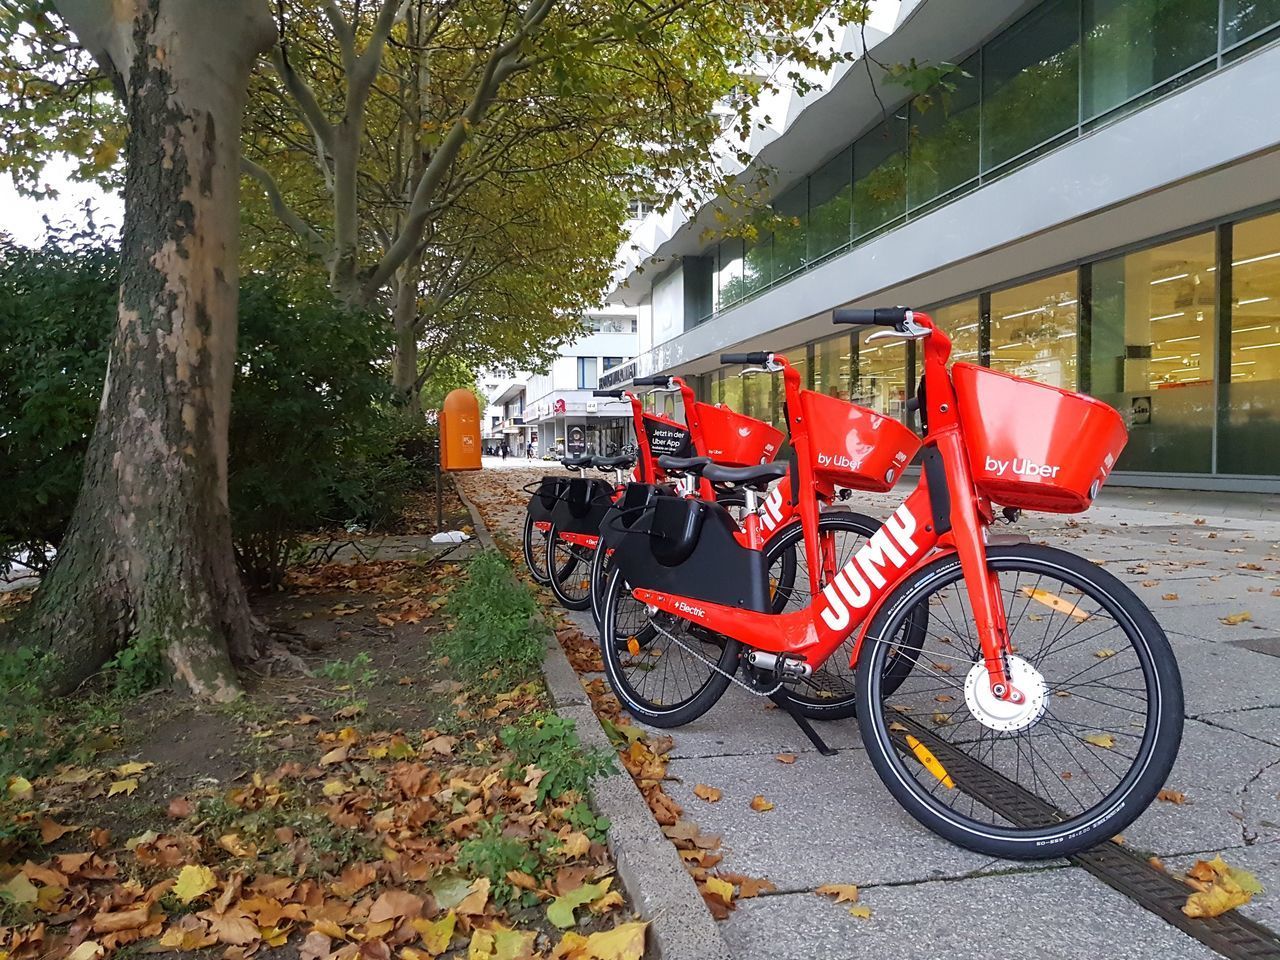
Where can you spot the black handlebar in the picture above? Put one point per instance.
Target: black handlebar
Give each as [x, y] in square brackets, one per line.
[758, 356]
[616, 394]
[654, 381]
[878, 316]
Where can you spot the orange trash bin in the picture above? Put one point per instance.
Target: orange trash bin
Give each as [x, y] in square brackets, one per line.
[460, 432]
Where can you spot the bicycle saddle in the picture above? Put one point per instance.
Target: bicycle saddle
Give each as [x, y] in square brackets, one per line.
[757, 477]
[578, 463]
[683, 464]
[621, 462]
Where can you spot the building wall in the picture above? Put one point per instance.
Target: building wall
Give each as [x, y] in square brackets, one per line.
[1022, 240]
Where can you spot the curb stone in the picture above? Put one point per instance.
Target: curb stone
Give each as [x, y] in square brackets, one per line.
[648, 865]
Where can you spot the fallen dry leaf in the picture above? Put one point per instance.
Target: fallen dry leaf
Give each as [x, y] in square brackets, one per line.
[760, 805]
[786, 758]
[709, 794]
[1172, 796]
[1104, 740]
[842, 892]
[1235, 619]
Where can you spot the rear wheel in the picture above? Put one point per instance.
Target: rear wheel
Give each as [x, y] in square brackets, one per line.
[1074, 764]
[830, 693]
[535, 551]
[572, 564]
[666, 671]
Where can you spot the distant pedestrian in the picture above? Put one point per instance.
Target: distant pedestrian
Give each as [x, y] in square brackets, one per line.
[528, 451]
[506, 451]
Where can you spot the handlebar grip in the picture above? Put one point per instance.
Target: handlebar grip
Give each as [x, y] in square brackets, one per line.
[878, 316]
[654, 381]
[616, 394]
[755, 358]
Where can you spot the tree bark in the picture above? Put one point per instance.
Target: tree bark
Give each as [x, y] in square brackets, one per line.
[404, 366]
[147, 561]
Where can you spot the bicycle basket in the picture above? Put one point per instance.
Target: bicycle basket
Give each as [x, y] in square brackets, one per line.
[549, 492]
[666, 437]
[855, 447]
[1033, 446]
[734, 439]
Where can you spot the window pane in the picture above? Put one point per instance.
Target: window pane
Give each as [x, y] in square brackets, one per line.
[831, 367]
[730, 287]
[731, 389]
[1152, 352]
[1243, 18]
[881, 378]
[789, 250]
[944, 137]
[960, 321]
[880, 176]
[757, 265]
[830, 198]
[1030, 81]
[587, 378]
[1132, 45]
[1249, 434]
[1033, 330]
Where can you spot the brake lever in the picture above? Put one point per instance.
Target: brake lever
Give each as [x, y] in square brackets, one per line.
[910, 331]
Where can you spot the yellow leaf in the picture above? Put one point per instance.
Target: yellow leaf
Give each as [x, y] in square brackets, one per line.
[1055, 602]
[193, 881]
[720, 888]
[20, 788]
[19, 890]
[623, 942]
[1104, 653]
[860, 910]
[1219, 887]
[841, 891]
[334, 788]
[476, 898]
[760, 805]
[1104, 740]
[436, 934]
[787, 758]
[132, 769]
[123, 786]
[709, 794]
[1235, 619]
[89, 950]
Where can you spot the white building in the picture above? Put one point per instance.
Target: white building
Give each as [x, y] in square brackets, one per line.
[560, 410]
[1095, 203]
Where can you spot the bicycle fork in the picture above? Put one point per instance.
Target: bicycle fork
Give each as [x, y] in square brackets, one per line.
[969, 536]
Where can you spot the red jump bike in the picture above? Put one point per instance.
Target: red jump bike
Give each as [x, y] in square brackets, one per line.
[1037, 712]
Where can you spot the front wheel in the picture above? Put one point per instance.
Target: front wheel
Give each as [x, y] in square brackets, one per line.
[571, 562]
[1074, 764]
[535, 553]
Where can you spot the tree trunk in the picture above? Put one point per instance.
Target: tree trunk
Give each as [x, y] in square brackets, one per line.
[147, 561]
[404, 367]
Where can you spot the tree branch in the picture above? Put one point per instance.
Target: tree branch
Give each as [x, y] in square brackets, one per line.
[315, 242]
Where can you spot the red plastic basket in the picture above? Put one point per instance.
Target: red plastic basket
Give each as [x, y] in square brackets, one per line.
[855, 447]
[1034, 446]
[735, 440]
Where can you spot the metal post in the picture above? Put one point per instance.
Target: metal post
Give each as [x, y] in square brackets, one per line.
[439, 491]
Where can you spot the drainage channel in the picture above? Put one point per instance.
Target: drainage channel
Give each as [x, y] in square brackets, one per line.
[1232, 935]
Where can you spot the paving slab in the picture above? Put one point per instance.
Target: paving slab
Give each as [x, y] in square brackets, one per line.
[1062, 914]
[1222, 676]
[1261, 724]
[1225, 777]
[832, 822]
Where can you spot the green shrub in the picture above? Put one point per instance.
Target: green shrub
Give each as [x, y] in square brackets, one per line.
[497, 634]
[492, 854]
[550, 742]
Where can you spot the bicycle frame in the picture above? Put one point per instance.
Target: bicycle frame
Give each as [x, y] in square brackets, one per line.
[951, 518]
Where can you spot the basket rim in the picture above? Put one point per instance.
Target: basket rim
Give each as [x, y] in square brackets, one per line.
[975, 368]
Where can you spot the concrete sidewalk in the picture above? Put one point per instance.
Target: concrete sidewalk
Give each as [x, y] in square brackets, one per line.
[833, 821]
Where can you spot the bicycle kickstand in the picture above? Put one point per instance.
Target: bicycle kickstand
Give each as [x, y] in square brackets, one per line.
[807, 728]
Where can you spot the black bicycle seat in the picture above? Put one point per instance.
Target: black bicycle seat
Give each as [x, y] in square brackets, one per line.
[621, 462]
[757, 477]
[683, 464]
[578, 463]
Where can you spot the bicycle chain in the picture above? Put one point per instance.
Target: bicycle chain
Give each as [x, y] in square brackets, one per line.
[728, 676]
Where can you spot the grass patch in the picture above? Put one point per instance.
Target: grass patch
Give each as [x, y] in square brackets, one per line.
[498, 635]
[550, 743]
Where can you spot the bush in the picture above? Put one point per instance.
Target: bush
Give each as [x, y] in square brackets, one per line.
[57, 310]
[497, 632]
[314, 440]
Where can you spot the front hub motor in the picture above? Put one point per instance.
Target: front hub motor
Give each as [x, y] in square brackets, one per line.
[1004, 715]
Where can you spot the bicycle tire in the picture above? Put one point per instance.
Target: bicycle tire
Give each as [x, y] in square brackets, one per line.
[575, 569]
[535, 555]
[1060, 832]
[640, 706]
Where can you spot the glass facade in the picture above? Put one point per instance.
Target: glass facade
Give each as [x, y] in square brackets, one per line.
[1181, 336]
[1061, 69]
[1249, 416]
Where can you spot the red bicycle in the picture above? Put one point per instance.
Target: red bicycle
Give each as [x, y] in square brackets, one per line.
[1038, 712]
